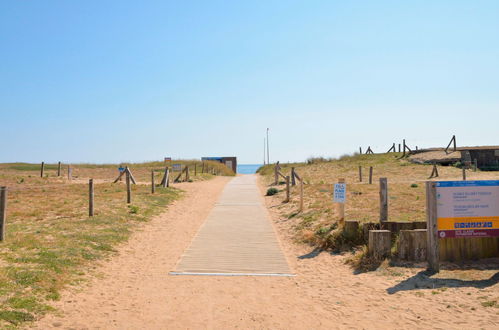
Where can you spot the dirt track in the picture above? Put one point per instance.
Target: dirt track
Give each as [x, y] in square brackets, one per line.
[134, 290]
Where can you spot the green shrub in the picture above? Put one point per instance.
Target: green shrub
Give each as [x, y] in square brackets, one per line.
[414, 185]
[272, 191]
[133, 209]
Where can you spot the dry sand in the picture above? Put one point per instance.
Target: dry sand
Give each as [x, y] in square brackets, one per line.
[135, 291]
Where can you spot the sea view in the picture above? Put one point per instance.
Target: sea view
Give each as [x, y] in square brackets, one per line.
[248, 168]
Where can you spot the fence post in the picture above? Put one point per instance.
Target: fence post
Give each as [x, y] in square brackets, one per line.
[301, 195]
[360, 150]
[475, 165]
[42, 169]
[293, 181]
[287, 189]
[69, 172]
[360, 173]
[383, 199]
[341, 206]
[187, 173]
[399, 147]
[128, 187]
[153, 187]
[59, 169]
[276, 176]
[370, 175]
[91, 197]
[195, 169]
[3, 211]
[202, 168]
[403, 151]
[431, 224]
[464, 174]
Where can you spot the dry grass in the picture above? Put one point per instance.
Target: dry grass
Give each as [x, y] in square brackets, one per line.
[51, 242]
[406, 184]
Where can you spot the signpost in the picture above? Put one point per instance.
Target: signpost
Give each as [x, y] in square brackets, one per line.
[460, 209]
[339, 196]
[177, 167]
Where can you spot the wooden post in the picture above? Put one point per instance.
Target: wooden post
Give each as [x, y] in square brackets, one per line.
[91, 197]
[42, 169]
[370, 175]
[153, 187]
[341, 207]
[403, 151]
[287, 189]
[167, 180]
[475, 165]
[399, 147]
[301, 195]
[293, 179]
[383, 199]
[70, 172]
[195, 169]
[431, 225]
[128, 187]
[360, 173]
[202, 168]
[3, 211]
[187, 173]
[464, 174]
[380, 243]
[59, 169]
[360, 150]
[276, 175]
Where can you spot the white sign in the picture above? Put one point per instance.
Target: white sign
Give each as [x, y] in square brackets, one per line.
[177, 167]
[340, 192]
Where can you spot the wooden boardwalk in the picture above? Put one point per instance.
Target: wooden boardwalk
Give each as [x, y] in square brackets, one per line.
[237, 238]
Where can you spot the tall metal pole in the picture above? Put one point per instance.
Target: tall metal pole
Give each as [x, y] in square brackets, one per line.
[268, 157]
[263, 151]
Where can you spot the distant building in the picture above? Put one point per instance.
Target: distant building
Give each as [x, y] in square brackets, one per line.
[485, 157]
[230, 162]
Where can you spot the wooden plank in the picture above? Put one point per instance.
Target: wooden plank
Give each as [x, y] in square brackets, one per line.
[131, 176]
[383, 199]
[380, 243]
[3, 212]
[432, 232]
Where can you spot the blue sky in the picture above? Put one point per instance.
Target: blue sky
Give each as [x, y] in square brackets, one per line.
[112, 81]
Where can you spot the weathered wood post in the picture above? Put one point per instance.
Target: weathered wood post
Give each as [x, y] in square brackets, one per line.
[187, 173]
[195, 169]
[42, 169]
[464, 174]
[351, 229]
[370, 175]
[301, 195]
[293, 179]
[403, 151]
[380, 244]
[399, 147]
[341, 206]
[360, 173]
[128, 187]
[360, 150]
[202, 168]
[276, 175]
[431, 225]
[383, 199]
[287, 189]
[91, 197]
[70, 172]
[59, 169]
[3, 212]
[153, 187]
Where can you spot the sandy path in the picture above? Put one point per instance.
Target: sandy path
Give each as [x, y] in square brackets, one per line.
[136, 292]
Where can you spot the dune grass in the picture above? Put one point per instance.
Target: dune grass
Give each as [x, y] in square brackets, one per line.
[51, 242]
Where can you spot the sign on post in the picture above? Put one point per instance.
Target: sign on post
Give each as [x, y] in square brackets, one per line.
[340, 190]
[177, 167]
[467, 208]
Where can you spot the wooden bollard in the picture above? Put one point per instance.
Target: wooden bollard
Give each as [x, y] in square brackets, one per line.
[464, 174]
[301, 195]
[380, 244]
[128, 187]
[91, 197]
[3, 212]
[370, 175]
[412, 245]
[360, 173]
[293, 179]
[59, 169]
[383, 199]
[351, 229]
[153, 187]
[42, 169]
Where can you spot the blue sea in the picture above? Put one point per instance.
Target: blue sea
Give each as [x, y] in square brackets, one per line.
[247, 168]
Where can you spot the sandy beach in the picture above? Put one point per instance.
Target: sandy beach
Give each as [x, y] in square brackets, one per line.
[133, 289]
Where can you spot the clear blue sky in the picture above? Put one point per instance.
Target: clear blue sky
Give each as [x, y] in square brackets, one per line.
[111, 81]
